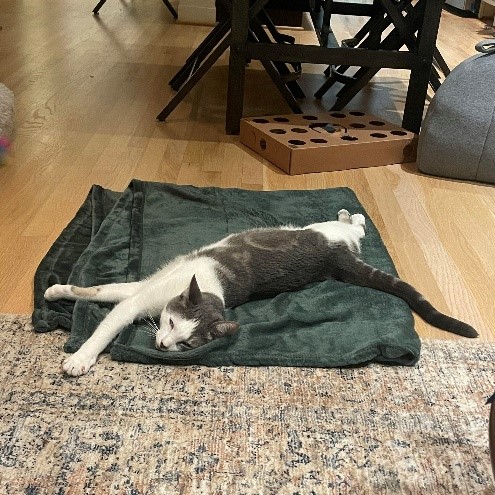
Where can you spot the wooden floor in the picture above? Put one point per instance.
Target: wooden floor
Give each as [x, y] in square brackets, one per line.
[87, 92]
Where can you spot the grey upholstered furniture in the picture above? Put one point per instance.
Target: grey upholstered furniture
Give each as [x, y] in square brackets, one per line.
[457, 138]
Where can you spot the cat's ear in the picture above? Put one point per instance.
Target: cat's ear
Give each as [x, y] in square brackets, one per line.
[194, 293]
[223, 328]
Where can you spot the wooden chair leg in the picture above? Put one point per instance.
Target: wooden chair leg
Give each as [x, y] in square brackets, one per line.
[96, 10]
[199, 55]
[194, 79]
[171, 9]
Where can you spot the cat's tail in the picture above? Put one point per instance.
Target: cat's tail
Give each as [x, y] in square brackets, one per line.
[366, 276]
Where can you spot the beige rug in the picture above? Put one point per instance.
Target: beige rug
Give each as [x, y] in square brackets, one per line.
[136, 429]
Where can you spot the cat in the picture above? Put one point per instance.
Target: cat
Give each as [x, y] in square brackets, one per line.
[191, 292]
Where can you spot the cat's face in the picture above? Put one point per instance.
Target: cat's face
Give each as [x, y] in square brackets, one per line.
[192, 319]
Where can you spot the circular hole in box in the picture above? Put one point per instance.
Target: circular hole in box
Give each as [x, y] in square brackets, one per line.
[310, 117]
[398, 133]
[349, 138]
[263, 144]
[377, 122]
[299, 130]
[355, 125]
[357, 114]
[338, 115]
[261, 121]
[318, 140]
[281, 119]
[378, 135]
[278, 131]
[296, 142]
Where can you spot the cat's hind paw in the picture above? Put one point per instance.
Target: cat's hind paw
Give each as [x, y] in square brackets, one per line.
[344, 216]
[78, 364]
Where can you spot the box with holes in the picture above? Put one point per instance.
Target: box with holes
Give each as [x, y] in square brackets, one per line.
[323, 142]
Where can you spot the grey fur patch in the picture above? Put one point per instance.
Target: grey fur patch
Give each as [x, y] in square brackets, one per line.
[207, 313]
[265, 262]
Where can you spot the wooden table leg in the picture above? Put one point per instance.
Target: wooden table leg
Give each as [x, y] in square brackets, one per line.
[420, 76]
[237, 65]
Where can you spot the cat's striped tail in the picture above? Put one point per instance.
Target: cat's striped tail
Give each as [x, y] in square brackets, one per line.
[365, 275]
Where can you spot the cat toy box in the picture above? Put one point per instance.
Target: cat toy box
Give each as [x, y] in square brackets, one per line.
[325, 142]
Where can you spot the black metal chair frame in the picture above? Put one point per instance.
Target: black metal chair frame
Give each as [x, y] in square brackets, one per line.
[369, 37]
[169, 6]
[283, 75]
[242, 32]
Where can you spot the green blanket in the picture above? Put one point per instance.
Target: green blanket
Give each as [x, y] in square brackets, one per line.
[126, 236]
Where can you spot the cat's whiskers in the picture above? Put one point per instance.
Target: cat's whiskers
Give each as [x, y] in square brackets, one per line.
[152, 327]
[152, 322]
[150, 332]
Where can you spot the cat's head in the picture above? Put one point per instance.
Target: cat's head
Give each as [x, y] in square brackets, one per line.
[192, 319]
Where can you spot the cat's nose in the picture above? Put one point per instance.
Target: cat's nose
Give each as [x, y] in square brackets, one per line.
[160, 346]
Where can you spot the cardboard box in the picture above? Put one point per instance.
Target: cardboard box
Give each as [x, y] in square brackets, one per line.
[322, 142]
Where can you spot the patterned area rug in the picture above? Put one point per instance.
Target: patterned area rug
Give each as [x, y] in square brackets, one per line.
[141, 429]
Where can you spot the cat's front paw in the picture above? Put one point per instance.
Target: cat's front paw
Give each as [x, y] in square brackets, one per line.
[358, 219]
[78, 364]
[57, 291]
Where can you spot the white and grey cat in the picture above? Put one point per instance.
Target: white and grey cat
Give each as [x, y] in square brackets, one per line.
[192, 291]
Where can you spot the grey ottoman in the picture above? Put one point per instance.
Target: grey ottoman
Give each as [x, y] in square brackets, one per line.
[457, 138]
